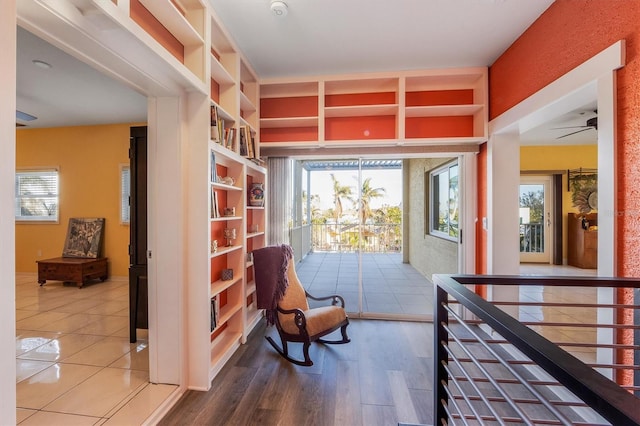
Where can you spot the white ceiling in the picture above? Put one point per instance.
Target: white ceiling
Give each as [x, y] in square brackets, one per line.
[344, 36]
[70, 93]
[315, 37]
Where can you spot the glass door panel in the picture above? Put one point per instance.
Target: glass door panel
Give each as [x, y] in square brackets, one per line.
[535, 219]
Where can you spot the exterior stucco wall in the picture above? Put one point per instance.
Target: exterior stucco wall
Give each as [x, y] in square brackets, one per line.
[429, 255]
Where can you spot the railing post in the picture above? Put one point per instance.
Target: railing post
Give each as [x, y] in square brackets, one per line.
[440, 338]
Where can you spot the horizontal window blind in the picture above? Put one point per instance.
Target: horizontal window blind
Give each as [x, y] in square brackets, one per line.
[37, 197]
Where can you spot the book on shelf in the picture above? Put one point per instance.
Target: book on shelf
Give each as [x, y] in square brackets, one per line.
[214, 172]
[258, 161]
[215, 211]
[251, 149]
[229, 138]
[218, 130]
[215, 133]
[243, 142]
[215, 308]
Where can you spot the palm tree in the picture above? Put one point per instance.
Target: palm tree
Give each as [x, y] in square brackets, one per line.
[367, 194]
[340, 192]
[315, 212]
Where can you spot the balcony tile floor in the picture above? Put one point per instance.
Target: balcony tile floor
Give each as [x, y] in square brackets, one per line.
[390, 287]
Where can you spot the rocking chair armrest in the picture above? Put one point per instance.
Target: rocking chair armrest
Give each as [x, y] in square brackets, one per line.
[335, 298]
[299, 319]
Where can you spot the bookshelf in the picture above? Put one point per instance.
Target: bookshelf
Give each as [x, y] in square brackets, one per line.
[233, 306]
[226, 199]
[221, 281]
[403, 108]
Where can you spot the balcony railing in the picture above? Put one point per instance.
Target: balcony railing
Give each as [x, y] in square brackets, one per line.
[491, 368]
[532, 238]
[370, 238]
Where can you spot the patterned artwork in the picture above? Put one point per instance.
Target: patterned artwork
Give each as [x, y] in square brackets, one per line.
[84, 238]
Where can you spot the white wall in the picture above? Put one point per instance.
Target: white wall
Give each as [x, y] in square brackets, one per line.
[7, 222]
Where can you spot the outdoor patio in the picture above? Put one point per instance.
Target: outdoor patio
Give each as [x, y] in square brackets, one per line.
[390, 287]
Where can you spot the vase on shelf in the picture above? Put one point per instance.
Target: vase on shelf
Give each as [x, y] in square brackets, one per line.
[256, 194]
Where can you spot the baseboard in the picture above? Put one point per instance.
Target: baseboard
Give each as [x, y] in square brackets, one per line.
[165, 407]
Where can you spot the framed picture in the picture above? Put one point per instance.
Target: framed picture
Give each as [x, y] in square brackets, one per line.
[84, 238]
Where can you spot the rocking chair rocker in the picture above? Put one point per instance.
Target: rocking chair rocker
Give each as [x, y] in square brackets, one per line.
[281, 294]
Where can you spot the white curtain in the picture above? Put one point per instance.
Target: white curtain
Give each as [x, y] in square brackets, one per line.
[279, 193]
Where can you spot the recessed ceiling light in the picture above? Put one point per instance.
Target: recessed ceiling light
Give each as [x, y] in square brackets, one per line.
[41, 64]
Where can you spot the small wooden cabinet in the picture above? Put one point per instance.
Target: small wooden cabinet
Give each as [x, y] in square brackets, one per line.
[582, 249]
[71, 269]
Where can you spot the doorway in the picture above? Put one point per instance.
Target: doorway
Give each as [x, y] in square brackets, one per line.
[536, 220]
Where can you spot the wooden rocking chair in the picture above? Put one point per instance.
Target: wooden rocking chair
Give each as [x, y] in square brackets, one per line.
[296, 322]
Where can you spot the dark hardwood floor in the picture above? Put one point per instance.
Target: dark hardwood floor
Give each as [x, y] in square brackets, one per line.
[383, 377]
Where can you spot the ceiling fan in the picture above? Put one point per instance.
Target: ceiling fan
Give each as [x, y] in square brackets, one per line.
[591, 123]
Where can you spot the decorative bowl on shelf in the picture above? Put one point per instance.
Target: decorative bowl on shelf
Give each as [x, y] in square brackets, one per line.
[227, 180]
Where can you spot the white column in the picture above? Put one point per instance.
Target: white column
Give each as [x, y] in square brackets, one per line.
[607, 208]
[469, 213]
[166, 200]
[503, 181]
[7, 222]
[607, 213]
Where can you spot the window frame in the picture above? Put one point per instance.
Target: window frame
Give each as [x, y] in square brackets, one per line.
[433, 208]
[50, 219]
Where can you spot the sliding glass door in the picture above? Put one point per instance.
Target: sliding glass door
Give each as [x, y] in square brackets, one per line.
[352, 211]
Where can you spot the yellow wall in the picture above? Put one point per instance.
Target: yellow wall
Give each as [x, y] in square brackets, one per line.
[88, 159]
[557, 159]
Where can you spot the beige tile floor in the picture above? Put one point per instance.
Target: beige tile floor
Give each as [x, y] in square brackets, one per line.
[74, 362]
[568, 315]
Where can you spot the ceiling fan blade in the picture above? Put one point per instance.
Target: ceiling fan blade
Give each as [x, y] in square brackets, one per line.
[24, 116]
[573, 133]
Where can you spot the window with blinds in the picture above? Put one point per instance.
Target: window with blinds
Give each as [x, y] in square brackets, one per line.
[125, 192]
[37, 197]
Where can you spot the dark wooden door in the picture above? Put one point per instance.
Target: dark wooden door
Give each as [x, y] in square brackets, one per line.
[138, 290]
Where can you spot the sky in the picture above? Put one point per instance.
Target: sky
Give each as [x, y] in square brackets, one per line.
[390, 180]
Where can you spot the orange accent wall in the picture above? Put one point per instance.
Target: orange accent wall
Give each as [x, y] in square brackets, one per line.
[481, 233]
[215, 91]
[150, 24]
[438, 127]
[89, 159]
[360, 128]
[299, 106]
[350, 99]
[439, 97]
[566, 35]
[288, 134]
